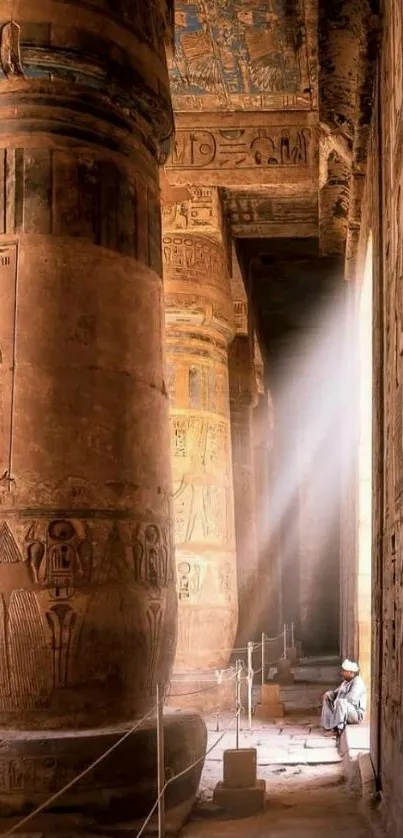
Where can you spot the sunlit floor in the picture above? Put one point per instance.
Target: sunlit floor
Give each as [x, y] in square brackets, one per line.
[294, 748]
[306, 791]
[306, 811]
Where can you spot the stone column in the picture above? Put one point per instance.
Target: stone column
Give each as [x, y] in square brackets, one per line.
[243, 396]
[243, 393]
[199, 321]
[88, 604]
[267, 518]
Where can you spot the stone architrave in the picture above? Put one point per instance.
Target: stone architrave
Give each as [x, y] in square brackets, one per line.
[249, 151]
[87, 583]
[199, 326]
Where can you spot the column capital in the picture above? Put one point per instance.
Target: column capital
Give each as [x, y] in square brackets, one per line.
[95, 74]
[197, 286]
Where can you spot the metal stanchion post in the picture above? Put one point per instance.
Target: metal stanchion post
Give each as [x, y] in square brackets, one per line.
[292, 636]
[219, 675]
[263, 661]
[250, 681]
[239, 667]
[285, 642]
[160, 760]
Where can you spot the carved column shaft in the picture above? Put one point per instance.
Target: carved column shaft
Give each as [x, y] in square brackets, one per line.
[242, 399]
[199, 320]
[87, 600]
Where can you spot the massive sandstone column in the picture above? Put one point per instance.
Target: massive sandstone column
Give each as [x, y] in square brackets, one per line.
[199, 321]
[87, 590]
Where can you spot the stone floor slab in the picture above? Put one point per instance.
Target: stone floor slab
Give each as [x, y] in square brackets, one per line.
[319, 742]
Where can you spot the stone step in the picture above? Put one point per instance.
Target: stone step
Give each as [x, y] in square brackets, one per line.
[317, 674]
[269, 711]
[303, 697]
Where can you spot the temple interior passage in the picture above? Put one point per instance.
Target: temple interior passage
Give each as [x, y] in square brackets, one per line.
[201, 418]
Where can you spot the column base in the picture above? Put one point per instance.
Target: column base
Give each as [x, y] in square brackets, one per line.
[34, 765]
[200, 691]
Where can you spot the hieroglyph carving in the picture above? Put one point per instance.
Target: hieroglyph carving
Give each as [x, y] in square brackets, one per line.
[55, 593]
[195, 259]
[245, 209]
[202, 495]
[234, 54]
[215, 148]
[202, 387]
[8, 288]
[198, 213]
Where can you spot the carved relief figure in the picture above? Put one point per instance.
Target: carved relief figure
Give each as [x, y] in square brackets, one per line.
[25, 656]
[150, 556]
[200, 498]
[226, 49]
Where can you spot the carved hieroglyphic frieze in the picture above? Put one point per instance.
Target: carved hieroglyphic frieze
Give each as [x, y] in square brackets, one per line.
[237, 55]
[244, 148]
[196, 281]
[70, 592]
[195, 259]
[258, 214]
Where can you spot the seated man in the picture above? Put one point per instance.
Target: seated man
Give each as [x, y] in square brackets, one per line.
[347, 704]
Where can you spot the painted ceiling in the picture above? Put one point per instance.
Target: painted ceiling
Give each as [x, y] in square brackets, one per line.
[241, 55]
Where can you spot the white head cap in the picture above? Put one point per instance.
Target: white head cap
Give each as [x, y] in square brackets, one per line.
[350, 666]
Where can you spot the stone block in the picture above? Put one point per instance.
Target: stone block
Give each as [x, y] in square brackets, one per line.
[241, 803]
[269, 711]
[292, 654]
[284, 674]
[367, 776]
[240, 767]
[270, 694]
[122, 787]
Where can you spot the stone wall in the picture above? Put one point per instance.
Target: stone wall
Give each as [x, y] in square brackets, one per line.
[382, 214]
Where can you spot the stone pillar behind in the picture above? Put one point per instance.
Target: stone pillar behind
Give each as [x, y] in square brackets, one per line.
[267, 522]
[88, 605]
[242, 399]
[199, 324]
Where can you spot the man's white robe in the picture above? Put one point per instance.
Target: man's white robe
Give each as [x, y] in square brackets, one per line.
[345, 706]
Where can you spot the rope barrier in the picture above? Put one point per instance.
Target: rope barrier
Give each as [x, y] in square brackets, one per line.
[79, 777]
[236, 673]
[215, 670]
[185, 771]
